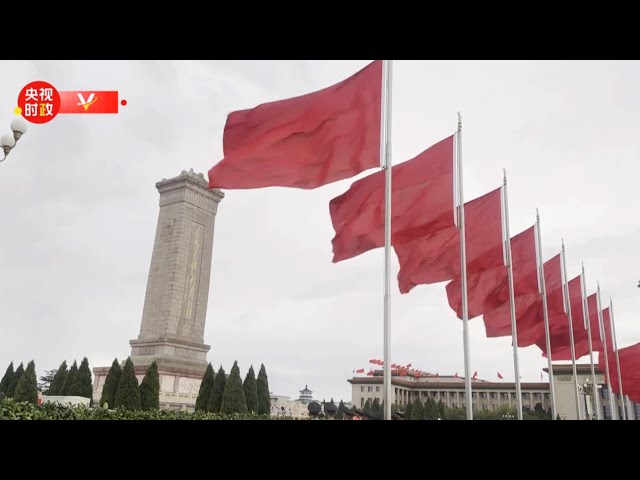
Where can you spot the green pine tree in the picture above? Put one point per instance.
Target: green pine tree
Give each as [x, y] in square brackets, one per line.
[367, 405]
[250, 387]
[375, 406]
[58, 379]
[407, 410]
[14, 381]
[233, 400]
[417, 410]
[27, 388]
[150, 389]
[69, 380]
[215, 399]
[81, 386]
[430, 409]
[264, 397]
[206, 385]
[128, 394]
[111, 385]
[442, 412]
[6, 379]
[340, 412]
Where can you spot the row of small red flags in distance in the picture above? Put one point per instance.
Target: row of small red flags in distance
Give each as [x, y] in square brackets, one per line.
[333, 134]
[403, 371]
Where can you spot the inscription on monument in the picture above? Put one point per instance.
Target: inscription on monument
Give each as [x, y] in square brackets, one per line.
[194, 270]
[192, 282]
[167, 230]
[184, 352]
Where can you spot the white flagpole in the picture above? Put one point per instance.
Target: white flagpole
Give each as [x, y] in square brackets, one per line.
[463, 273]
[512, 303]
[615, 345]
[543, 290]
[613, 403]
[585, 312]
[567, 305]
[385, 148]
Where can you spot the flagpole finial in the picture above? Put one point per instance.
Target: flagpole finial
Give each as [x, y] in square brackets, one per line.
[563, 244]
[459, 122]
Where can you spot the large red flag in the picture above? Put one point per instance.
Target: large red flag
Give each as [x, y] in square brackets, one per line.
[526, 294]
[555, 299]
[487, 286]
[613, 370]
[594, 321]
[559, 328]
[629, 371]
[307, 141]
[531, 323]
[422, 203]
[436, 258]
[608, 335]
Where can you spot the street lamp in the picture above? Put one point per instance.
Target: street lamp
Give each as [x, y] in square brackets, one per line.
[588, 390]
[8, 141]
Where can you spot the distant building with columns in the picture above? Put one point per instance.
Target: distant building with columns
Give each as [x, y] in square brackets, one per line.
[450, 390]
[489, 396]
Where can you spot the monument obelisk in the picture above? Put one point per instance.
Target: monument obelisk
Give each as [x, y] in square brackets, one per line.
[175, 306]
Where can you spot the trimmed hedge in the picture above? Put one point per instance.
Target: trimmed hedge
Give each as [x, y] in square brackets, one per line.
[12, 410]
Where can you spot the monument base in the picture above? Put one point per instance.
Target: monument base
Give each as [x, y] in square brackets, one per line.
[178, 389]
[171, 355]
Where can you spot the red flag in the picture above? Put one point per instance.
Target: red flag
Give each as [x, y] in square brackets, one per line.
[500, 376]
[307, 141]
[370, 373]
[629, 370]
[555, 304]
[613, 366]
[373, 360]
[408, 365]
[436, 257]
[528, 300]
[475, 375]
[437, 375]
[422, 203]
[456, 375]
[484, 275]
[417, 374]
[559, 328]
[360, 370]
[594, 321]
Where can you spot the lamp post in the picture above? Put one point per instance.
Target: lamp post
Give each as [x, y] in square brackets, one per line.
[589, 389]
[8, 141]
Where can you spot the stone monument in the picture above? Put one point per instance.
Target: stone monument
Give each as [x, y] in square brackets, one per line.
[175, 306]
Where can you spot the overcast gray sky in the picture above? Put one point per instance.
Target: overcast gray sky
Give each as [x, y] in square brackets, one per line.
[78, 211]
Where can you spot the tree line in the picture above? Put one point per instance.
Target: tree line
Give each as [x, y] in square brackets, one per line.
[221, 394]
[218, 393]
[432, 410]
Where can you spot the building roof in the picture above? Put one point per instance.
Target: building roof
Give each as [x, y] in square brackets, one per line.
[476, 385]
[567, 369]
[306, 390]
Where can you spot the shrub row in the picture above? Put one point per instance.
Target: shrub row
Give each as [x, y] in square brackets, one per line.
[12, 410]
